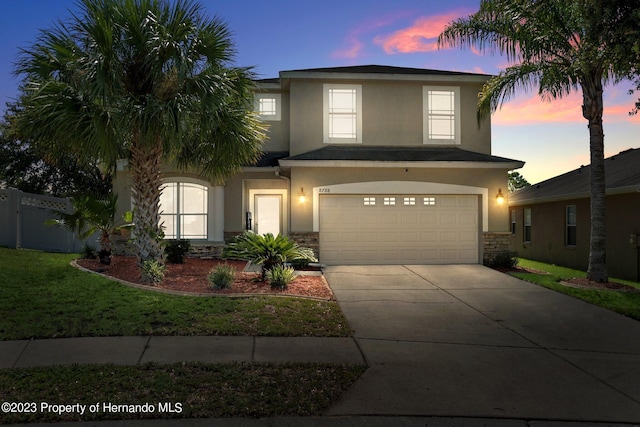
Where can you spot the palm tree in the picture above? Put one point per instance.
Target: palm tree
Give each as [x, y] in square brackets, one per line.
[150, 81]
[558, 46]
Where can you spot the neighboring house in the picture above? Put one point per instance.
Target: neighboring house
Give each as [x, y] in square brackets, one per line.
[551, 221]
[365, 164]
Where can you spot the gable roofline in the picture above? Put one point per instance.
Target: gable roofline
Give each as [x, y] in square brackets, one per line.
[622, 176]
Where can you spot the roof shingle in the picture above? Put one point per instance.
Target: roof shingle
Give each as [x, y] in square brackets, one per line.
[622, 171]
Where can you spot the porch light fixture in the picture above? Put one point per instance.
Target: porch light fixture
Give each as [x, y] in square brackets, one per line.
[301, 196]
[500, 197]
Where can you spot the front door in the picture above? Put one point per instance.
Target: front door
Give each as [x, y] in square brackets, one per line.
[268, 214]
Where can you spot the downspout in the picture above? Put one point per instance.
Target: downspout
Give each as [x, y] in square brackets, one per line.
[286, 178]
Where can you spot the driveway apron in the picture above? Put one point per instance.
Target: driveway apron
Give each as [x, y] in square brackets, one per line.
[465, 340]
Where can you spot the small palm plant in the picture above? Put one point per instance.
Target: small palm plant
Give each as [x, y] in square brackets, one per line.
[267, 250]
[91, 215]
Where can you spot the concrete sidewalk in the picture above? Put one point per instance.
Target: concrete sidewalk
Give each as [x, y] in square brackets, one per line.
[167, 350]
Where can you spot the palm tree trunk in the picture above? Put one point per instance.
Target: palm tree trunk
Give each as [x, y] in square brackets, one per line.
[145, 190]
[592, 110]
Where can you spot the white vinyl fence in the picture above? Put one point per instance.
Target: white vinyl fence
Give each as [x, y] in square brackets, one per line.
[22, 222]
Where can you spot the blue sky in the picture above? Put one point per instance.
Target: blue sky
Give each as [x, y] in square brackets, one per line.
[552, 138]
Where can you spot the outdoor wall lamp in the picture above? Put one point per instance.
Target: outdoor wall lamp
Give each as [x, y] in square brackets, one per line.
[301, 196]
[500, 197]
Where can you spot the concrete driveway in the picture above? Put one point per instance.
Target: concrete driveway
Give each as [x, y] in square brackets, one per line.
[465, 340]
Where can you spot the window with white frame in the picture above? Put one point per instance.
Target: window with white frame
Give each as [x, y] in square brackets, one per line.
[527, 225]
[342, 113]
[571, 223]
[369, 201]
[409, 201]
[429, 201]
[389, 201]
[183, 208]
[268, 105]
[441, 110]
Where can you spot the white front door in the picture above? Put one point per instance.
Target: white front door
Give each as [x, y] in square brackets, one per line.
[268, 214]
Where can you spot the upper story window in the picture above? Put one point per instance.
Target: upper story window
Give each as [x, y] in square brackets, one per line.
[441, 115]
[268, 105]
[342, 114]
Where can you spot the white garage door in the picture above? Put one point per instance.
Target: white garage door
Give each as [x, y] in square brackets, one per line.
[398, 229]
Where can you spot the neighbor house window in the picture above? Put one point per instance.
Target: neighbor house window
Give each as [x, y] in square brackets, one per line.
[527, 225]
[268, 105]
[183, 208]
[441, 115]
[513, 222]
[571, 225]
[342, 113]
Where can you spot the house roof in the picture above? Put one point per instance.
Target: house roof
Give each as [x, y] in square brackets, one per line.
[349, 155]
[364, 72]
[270, 159]
[622, 176]
[382, 69]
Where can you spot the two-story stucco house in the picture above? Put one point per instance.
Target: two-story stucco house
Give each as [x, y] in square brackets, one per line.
[366, 164]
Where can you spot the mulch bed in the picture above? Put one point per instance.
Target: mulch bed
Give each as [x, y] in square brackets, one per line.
[191, 277]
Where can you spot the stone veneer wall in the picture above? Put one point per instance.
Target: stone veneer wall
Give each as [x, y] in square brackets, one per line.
[307, 240]
[494, 243]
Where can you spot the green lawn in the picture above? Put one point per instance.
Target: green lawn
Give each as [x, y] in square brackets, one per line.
[191, 390]
[42, 296]
[627, 303]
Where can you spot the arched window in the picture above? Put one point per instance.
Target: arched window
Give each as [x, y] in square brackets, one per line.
[183, 207]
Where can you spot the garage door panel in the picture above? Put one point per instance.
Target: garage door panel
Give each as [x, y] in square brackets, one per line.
[443, 231]
[430, 218]
[389, 237]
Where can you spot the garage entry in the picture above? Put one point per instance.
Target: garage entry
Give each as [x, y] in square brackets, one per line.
[399, 229]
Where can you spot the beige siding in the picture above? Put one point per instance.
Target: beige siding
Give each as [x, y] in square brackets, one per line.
[548, 234]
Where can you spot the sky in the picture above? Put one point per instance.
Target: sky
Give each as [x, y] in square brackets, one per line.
[277, 35]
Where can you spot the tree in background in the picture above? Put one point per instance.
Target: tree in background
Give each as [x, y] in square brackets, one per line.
[558, 46]
[26, 166]
[150, 81]
[517, 181]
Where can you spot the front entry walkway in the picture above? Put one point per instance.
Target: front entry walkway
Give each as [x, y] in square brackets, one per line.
[465, 340]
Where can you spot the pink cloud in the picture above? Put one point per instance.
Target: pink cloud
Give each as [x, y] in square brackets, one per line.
[354, 43]
[526, 109]
[422, 36]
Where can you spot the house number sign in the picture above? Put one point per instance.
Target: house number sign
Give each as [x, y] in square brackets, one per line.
[324, 190]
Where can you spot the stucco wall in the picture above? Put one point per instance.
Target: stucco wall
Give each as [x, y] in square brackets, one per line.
[392, 115]
[308, 178]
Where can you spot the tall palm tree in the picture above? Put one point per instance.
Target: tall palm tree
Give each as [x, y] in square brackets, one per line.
[558, 46]
[150, 81]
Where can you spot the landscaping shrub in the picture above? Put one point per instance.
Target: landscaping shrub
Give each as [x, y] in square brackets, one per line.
[279, 277]
[267, 250]
[175, 250]
[89, 251]
[222, 276]
[152, 271]
[505, 259]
